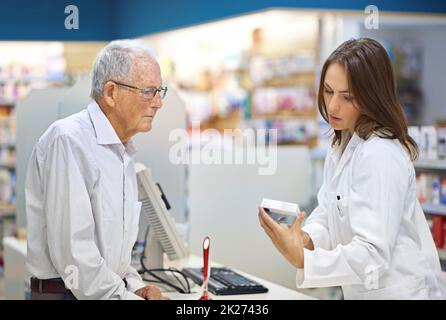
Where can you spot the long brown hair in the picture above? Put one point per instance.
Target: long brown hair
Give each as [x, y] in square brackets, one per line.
[371, 82]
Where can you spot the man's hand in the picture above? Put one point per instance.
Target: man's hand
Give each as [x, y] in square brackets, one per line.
[150, 293]
[288, 240]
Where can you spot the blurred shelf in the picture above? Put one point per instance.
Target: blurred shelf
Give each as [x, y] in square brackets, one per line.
[302, 78]
[430, 164]
[311, 142]
[285, 114]
[434, 209]
[7, 102]
[7, 166]
[31, 78]
[293, 143]
[7, 145]
[442, 254]
[7, 211]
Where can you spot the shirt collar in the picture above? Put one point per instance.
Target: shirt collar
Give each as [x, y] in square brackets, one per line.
[130, 147]
[105, 133]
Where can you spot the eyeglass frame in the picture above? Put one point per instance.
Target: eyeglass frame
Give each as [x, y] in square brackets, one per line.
[141, 90]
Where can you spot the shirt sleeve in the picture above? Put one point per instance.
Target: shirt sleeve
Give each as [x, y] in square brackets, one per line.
[134, 280]
[71, 225]
[375, 207]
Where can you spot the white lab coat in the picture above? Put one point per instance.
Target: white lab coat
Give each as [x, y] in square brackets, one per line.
[369, 231]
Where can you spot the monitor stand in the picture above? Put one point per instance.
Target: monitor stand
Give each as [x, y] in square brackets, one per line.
[154, 260]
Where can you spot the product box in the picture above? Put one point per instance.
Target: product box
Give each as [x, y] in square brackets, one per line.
[438, 231]
[281, 212]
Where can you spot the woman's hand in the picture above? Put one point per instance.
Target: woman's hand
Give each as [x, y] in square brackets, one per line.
[289, 240]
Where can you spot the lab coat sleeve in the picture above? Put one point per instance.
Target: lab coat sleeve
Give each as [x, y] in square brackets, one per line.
[71, 226]
[316, 225]
[134, 280]
[377, 194]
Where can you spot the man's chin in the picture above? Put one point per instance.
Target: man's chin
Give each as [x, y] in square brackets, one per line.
[147, 125]
[147, 128]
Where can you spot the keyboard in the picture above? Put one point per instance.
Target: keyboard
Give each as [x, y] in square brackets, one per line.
[224, 281]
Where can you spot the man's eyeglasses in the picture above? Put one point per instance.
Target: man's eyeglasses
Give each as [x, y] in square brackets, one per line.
[147, 93]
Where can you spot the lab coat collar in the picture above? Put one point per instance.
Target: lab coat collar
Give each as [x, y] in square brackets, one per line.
[105, 133]
[341, 161]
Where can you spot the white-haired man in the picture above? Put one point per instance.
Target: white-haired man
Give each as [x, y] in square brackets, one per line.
[81, 191]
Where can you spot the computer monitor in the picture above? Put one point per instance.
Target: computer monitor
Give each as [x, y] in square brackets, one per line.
[162, 236]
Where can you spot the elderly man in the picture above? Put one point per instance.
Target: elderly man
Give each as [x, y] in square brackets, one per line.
[81, 190]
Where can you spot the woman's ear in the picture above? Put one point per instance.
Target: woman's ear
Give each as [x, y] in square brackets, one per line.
[109, 93]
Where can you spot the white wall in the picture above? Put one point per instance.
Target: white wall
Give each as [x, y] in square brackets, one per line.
[223, 203]
[34, 115]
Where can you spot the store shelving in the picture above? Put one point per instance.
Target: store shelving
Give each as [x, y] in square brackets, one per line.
[285, 114]
[7, 210]
[7, 145]
[7, 102]
[430, 164]
[431, 209]
[436, 209]
[300, 78]
[7, 166]
[285, 102]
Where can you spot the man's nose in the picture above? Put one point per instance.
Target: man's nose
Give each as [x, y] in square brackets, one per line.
[157, 102]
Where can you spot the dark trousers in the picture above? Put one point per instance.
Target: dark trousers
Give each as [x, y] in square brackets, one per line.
[52, 296]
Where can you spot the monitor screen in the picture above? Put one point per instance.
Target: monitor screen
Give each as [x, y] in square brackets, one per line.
[162, 235]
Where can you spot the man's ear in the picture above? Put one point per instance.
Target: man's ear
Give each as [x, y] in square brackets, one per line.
[109, 93]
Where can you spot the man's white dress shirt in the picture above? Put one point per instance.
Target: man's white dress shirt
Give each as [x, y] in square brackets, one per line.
[82, 207]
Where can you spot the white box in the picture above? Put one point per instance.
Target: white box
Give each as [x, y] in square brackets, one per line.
[281, 212]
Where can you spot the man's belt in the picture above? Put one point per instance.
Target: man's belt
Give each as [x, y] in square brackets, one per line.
[55, 285]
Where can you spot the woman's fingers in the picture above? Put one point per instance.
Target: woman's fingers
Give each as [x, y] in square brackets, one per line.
[264, 226]
[298, 222]
[268, 221]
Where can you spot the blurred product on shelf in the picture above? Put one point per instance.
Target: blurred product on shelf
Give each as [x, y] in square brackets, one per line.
[286, 101]
[436, 191]
[431, 141]
[431, 188]
[438, 231]
[290, 131]
[265, 69]
[7, 156]
[5, 186]
[407, 62]
[443, 191]
[24, 67]
[441, 149]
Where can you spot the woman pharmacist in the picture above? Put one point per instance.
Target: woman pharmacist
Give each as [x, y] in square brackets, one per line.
[368, 233]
